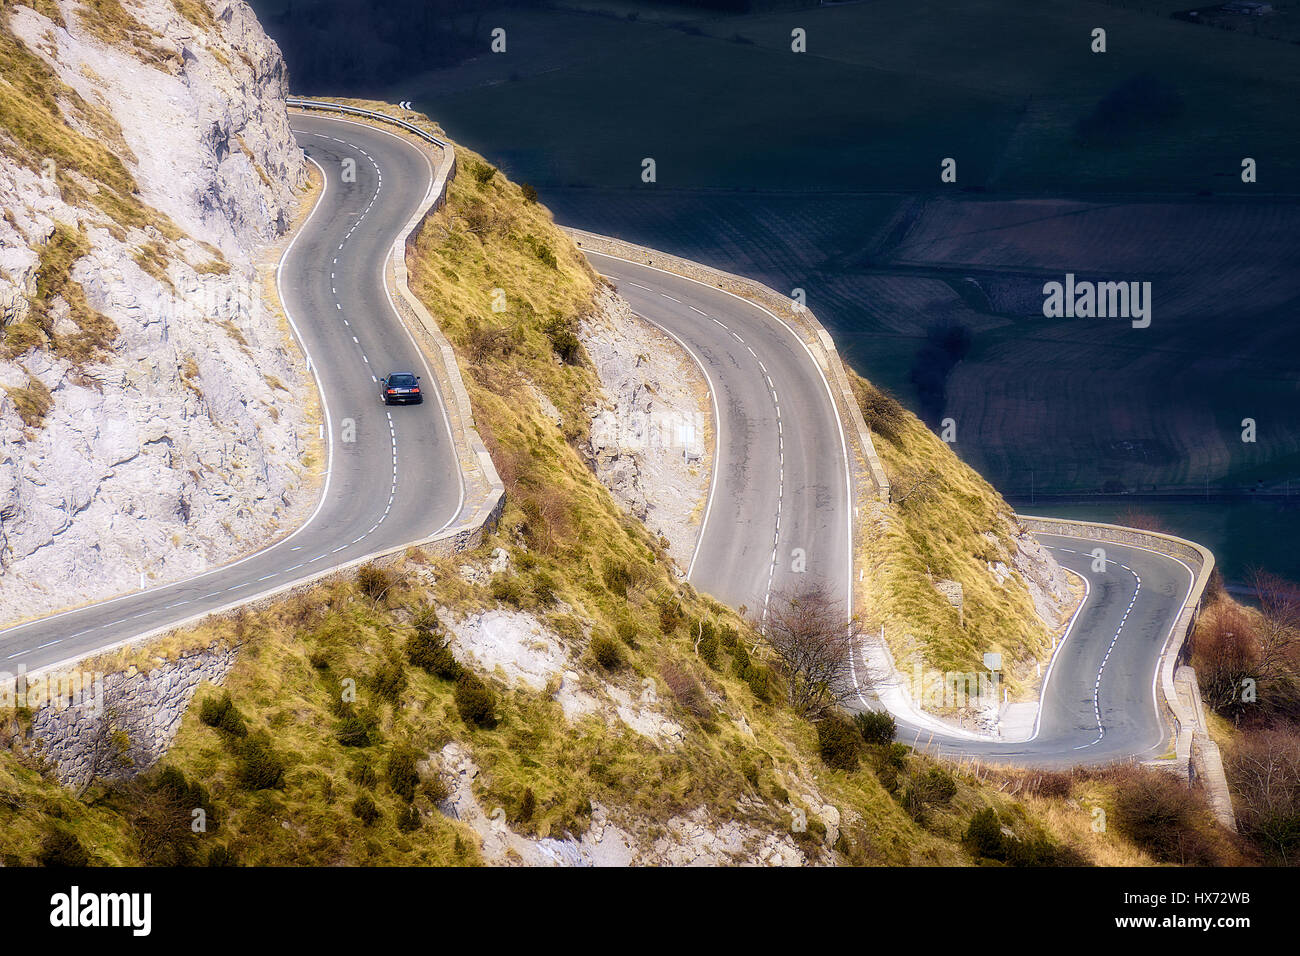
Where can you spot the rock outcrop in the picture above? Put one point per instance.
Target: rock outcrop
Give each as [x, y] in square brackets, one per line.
[650, 443]
[178, 443]
[1046, 581]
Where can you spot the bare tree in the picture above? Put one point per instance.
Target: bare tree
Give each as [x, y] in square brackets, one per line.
[1240, 647]
[1224, 652]
[1277, 644]
[812, 640]
[1264, 770]
[1143, 521]
[920, 485]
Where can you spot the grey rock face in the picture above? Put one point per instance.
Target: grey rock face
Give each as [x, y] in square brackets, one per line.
[650, 441]
[184, 446]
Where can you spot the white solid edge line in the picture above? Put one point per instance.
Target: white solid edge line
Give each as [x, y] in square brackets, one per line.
[717, 438]
[329, 436]
[442, 403]
[1051, 664]
[1155, 678]
[1169, 634]
[839, 424]
[1164, 647]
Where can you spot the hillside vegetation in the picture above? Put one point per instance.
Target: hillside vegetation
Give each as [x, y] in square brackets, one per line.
[323, 746]
[945, 523]
[48, 128]
[36, 132]
[1247, 660]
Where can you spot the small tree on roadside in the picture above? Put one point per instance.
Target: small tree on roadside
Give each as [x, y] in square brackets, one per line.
[1237, 649]
[1225, 653]
[374, 582]
[812, 641]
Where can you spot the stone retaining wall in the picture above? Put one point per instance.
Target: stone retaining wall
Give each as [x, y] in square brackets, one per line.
[126, 721]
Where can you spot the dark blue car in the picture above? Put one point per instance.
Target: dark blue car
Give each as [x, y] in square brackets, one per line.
[401, 388]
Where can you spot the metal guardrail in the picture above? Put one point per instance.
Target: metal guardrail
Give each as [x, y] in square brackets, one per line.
[304, 104]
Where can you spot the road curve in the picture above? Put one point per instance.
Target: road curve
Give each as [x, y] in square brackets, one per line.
[393, 474]
[1100, 697]
[780, 484]
[780, 497]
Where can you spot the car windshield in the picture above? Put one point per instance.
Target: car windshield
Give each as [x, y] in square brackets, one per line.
[401, 380]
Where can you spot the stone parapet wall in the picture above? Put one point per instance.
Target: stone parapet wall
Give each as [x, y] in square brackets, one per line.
[799, 319]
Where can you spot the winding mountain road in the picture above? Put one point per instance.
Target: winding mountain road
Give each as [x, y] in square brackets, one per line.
[781, 488]
[393, 475]
[1099, 700]
[780, 497]
[780, 508]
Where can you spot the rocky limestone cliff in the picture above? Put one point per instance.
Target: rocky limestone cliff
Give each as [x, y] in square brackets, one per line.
[175, 439]
[651, 443]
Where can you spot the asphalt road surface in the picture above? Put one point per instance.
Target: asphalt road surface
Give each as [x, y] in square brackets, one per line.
[780, 496]
[1100, 698]
[779, 510]
[780, 485]
[398, 481]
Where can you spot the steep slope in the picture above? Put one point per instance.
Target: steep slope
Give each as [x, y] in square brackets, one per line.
[555, 696]
[151, 419]
[948, 532]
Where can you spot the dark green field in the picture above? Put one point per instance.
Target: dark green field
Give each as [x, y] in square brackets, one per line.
[886, 90]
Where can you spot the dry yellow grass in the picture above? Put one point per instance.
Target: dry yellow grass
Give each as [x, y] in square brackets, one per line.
[587, 572]
[111, 22]
[946, 522]
[55, 284]
[32, 401]
[197, 12]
